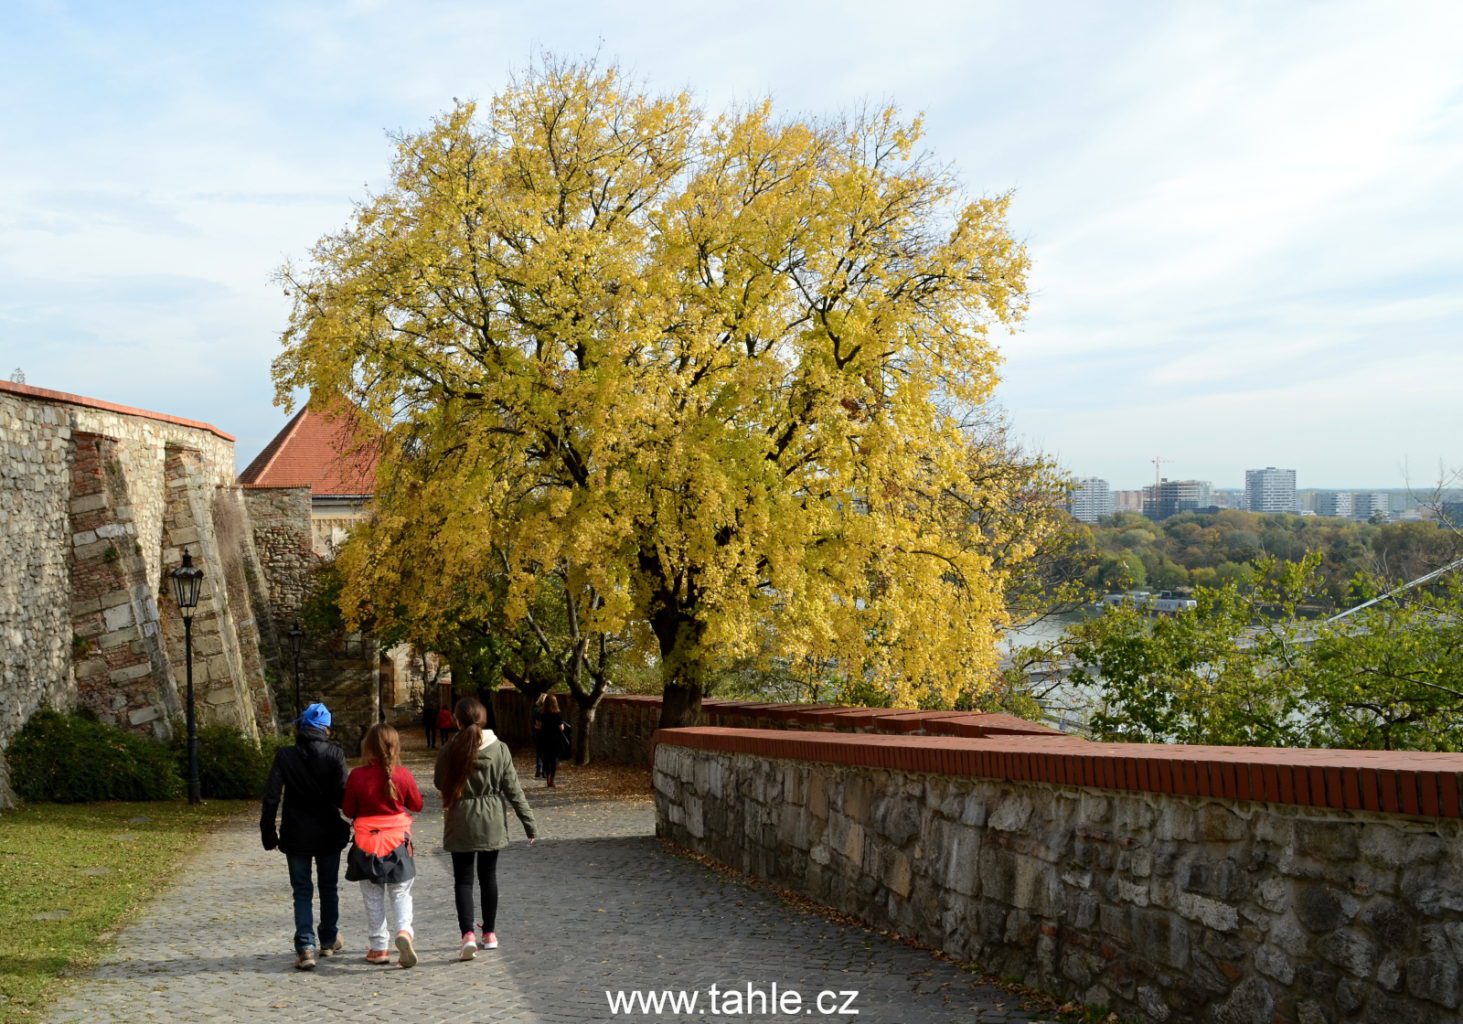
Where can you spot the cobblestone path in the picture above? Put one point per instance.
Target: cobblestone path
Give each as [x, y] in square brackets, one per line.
[594, 906]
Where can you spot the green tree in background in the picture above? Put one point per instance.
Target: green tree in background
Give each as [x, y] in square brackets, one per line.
[1215, 549]
[1245, 669]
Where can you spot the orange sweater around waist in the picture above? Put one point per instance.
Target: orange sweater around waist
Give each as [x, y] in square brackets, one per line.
[379, 834]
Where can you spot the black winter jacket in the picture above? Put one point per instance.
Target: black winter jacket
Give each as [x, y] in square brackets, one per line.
[312, 777]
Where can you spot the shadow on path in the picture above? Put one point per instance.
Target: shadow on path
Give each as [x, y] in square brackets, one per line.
[595, 906]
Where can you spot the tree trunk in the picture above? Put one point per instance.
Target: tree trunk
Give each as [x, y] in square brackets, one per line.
[678, 636]
[680, 705]
[584, 717]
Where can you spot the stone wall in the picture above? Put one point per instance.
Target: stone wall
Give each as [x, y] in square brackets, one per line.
[279, 529]
[35, 606]
[1135, 878]
[97, 502]
[342, 671]
[120, 668]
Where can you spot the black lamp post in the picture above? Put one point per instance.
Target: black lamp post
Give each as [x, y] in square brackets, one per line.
[187, 582]
[297, 640]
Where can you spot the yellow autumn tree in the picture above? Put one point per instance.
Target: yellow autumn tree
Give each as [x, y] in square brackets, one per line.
[715, 374]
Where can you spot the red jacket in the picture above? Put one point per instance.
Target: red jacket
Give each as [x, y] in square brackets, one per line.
[365, 792]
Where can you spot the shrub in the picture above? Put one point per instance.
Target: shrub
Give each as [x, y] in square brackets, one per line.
[230, 765]
[71, 758]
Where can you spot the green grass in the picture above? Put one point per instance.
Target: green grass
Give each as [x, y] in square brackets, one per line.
[63, 858]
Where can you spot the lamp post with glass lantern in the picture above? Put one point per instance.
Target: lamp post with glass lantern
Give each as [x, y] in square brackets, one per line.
[297, 640]
[187, 582]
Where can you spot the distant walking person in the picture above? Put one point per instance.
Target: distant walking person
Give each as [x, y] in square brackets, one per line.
[311, 776]
[445, 725]
[379, 796]
[551, 739]
[535, 726]
[429, 723]
[477, 780]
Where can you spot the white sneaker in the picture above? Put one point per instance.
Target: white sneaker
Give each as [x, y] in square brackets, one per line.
[469, 946]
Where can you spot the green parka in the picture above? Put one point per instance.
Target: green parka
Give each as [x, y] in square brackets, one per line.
[479, 819]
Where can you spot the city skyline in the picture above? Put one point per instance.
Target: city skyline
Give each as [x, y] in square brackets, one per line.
[1223, 483]
[1242, 221]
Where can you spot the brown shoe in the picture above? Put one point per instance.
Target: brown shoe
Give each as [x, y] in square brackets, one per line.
[305, 959]
[334, 948]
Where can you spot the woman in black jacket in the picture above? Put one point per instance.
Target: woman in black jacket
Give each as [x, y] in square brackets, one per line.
[551, 738]
[311, 774]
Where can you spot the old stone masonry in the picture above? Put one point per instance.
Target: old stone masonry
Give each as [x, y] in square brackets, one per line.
[596, 907]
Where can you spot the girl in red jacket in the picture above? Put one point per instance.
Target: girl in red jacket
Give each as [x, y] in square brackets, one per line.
[378, 796]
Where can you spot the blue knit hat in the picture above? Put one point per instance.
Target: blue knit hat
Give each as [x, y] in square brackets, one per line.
[316, 716]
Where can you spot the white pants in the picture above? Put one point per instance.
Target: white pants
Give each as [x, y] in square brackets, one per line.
[375, 895]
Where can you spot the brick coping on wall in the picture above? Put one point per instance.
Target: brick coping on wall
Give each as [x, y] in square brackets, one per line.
[65, 397]
[836, 718]
[1410, 783]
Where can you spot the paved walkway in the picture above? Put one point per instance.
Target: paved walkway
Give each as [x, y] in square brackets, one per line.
[596, 905]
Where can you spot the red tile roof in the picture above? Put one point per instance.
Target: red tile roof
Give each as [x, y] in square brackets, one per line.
[321, 451]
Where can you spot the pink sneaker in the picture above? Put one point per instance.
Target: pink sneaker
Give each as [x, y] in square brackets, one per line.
[405, 947]
[469, 945]
[490, 940]
[377, 956]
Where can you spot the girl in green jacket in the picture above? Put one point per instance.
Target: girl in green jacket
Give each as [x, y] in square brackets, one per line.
[476, 778]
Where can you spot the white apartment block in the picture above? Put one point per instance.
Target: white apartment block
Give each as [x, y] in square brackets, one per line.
[1366, 504]
[1270, 490]
[1092, 500]
[1334, 503]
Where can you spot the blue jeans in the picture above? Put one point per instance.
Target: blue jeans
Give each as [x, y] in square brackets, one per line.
[327, 867]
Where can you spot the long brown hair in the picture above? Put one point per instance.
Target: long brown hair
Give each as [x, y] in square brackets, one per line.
[462, 750]
[382, 745]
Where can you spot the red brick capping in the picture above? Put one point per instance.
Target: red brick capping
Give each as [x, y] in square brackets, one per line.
[66, 398]
[644, 711]
[1416, 784]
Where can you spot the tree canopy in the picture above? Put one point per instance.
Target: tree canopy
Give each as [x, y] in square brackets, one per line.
[1213, 549]
[723, 379]
[1246, 669]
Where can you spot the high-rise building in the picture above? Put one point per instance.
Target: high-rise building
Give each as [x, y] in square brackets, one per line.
[1334, 503]
[1091, 500]
[1371, 504]
[1170, 497]
[1270, 490]
[1128, 501]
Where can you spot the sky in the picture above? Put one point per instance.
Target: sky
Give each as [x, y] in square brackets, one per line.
[1245, 219]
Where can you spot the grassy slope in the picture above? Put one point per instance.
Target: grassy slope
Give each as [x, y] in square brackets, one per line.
[57, 858]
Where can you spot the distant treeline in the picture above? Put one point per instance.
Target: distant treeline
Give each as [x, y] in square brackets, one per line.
[1209, 549]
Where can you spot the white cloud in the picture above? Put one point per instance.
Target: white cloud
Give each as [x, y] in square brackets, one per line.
[1244, 218]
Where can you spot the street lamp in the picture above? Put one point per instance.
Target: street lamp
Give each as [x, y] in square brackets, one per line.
[297, 640]
[187, 582]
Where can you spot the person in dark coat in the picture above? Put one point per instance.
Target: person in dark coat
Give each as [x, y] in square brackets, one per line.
[429, 723]
[535, 726]
[551, 738]
[310, 776]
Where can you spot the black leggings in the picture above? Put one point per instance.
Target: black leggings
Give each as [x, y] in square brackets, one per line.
[487, 879]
